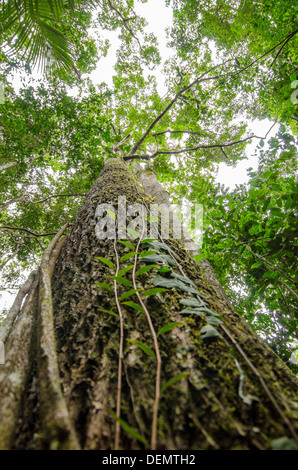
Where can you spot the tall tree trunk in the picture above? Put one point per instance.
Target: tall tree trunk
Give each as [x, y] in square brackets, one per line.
[62, 379]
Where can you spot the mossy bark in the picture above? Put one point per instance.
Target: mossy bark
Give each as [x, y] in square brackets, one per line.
[203, 410]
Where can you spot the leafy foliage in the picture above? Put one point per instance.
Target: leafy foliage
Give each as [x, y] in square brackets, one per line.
[243, 32]
[251, 240]
[229, 63]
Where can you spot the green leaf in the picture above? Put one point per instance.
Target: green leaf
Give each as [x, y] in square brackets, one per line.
[103, 285]
[106, 261]
[145, 269]
[124, 270]
[122, 280]
[210, 312]
[135, 306]
[156, 245]
[129, 293]
[199, 257]
[183, 279]
[128, 244]
[256, 265]
[284, 443]
[172, 283]
[169, 327]
[147, 253]
[144, 347]
[212, 320]
[109, 312]
[111, 214]
[128, 255]
[148, 240]
[208, 332]
[164, 269]
[174, 380]
[160, 259]
[190, 310]
[155, 291]
[133, 232]
[131, 431]
[192, 302]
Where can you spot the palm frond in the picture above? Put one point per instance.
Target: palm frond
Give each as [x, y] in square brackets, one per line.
[32, 27]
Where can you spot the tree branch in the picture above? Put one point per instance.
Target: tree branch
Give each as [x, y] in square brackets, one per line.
[197, 147]
[4, 227]
[7, 165]
[196, 81]
[125, 20]
[280, 50]
[57, 195]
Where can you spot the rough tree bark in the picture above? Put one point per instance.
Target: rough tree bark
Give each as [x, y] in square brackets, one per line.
[59, 382]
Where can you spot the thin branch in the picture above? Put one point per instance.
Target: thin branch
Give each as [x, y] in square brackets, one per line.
[224, 153]
[275, 268]
[192, 149]
[7, 165]
[271, 266]
[155, 134]
[56, 195]
[280, 50]
[11, 201]
[125, 20]
[196, 81]
[170, 105]
[10, 257]
[4, 166]
[3, 227]
[288, 309]
[197, 147]
[289, 288]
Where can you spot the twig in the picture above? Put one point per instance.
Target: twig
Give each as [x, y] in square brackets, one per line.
[289, 288]
[280, 50]
[197, 147]
[125, 20]
[5, 227]
[56, 195]
[167, 108]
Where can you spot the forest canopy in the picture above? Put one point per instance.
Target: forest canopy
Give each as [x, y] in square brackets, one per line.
[230, 63]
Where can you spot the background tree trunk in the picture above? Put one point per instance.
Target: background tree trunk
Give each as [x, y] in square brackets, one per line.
[59, 382]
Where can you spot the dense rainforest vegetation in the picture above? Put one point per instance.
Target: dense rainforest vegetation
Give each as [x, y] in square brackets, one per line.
[230, 63]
